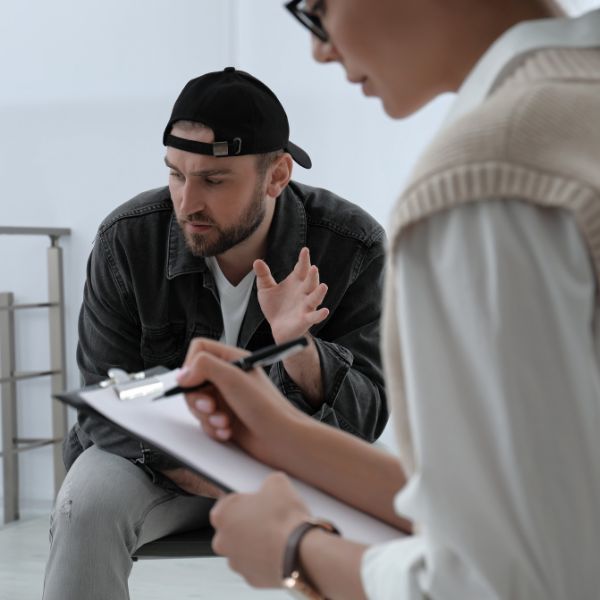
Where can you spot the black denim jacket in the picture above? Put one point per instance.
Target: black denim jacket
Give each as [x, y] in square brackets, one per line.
[146, 296]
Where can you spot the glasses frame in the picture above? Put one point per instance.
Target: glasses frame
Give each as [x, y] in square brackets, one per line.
[310, 21]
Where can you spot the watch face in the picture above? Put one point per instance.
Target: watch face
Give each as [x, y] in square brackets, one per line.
[298, 588]
[294, 592]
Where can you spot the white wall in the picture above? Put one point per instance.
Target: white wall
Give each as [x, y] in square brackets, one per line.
[85, 90]
[577, 7]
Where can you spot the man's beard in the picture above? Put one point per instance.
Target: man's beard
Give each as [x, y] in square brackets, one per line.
[199, 245]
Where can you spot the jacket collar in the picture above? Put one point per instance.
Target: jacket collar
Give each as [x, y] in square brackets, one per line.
[287, 235]
[514, 45]
[180, 261]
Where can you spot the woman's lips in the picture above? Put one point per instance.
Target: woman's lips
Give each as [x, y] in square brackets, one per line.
[366, 88]
[364, 83]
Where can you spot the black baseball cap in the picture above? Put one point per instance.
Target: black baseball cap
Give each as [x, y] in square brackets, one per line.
[245, 115]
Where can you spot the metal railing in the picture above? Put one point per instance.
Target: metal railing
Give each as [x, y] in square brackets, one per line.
[12, 444]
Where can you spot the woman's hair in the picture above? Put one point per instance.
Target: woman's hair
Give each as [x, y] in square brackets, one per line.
[559, 7]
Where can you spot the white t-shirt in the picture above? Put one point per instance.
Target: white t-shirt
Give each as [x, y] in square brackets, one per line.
[234, 300]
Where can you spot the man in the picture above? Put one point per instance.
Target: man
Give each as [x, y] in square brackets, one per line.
[491, 332]
[177, 263]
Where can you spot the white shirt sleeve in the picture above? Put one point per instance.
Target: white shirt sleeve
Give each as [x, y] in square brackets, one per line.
[497, 324]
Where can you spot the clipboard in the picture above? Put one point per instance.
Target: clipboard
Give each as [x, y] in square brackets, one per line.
[128, 386]
[167, 425]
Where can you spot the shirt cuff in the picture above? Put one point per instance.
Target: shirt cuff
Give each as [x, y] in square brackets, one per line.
[392, 571]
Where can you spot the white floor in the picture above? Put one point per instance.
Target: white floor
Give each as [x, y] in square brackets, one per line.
[24, 547]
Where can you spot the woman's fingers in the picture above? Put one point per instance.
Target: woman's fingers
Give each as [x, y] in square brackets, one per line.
[236, 393]
[214, 415]
[190, 373]
[240, 405]
[198, 345]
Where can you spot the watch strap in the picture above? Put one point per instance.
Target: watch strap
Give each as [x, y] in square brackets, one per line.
[292, 547]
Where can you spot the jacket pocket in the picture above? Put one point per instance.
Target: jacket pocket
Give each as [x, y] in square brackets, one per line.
[164, 345]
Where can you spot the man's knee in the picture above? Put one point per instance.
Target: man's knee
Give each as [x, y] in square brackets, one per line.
[101, 491]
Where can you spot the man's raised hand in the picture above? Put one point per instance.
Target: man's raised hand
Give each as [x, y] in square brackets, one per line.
[292, 306]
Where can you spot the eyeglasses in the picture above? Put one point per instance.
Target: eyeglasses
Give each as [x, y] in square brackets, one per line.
[308, 18]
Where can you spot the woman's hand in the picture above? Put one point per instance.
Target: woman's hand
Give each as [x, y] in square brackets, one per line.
[244, 407]
[252, 529]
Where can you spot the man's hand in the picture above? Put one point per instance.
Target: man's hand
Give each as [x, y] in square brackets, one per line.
[292, 306]
[192, 483]
[252, 529]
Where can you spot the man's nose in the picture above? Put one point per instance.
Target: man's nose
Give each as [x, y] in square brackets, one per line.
[324, 52]
[191, 199]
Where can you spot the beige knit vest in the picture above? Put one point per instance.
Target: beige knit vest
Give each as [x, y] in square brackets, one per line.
[535, 138]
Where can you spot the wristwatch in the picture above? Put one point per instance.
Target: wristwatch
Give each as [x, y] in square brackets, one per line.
[294, 580]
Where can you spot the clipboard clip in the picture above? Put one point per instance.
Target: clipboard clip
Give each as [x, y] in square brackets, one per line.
[133, 386]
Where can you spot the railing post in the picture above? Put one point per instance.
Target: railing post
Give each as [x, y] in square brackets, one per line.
[8, 391]
[11, 442]
[57, 355]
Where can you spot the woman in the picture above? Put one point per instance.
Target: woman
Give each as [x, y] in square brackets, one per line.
[492, 340]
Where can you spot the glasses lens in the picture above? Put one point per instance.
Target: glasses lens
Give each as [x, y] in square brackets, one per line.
[311, 21]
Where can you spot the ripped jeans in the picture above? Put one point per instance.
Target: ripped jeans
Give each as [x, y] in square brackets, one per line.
[107, 508]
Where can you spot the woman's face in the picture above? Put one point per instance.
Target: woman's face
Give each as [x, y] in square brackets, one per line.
[395, 49]
[406, 52]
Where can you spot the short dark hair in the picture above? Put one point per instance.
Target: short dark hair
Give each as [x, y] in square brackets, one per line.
[264, 161]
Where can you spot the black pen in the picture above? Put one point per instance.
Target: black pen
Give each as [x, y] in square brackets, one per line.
[260, 358]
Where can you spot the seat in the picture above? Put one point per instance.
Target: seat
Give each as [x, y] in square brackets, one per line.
[189, 544]
[197, 543]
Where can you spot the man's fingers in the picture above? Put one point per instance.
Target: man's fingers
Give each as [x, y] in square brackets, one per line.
[316, 297]
[312, 279]
[303, 265]
[317, 316]
[264, 279]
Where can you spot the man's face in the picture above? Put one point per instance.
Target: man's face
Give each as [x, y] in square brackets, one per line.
[218, 202]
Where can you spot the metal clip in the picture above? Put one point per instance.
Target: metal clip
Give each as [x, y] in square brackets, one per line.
[133, 386]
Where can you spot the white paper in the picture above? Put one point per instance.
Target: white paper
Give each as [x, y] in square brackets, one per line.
[169, 425]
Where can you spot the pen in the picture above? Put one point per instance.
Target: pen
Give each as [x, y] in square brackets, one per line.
[260, 358]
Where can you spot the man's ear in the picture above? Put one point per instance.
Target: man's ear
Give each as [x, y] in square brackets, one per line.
[279, 175]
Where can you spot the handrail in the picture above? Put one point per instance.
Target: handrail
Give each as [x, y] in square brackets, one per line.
[31, 305]
[51, 231]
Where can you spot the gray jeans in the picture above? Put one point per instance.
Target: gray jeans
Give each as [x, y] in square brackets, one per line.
[106, 508]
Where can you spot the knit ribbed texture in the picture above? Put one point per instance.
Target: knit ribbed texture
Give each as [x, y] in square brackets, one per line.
[537, 139]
